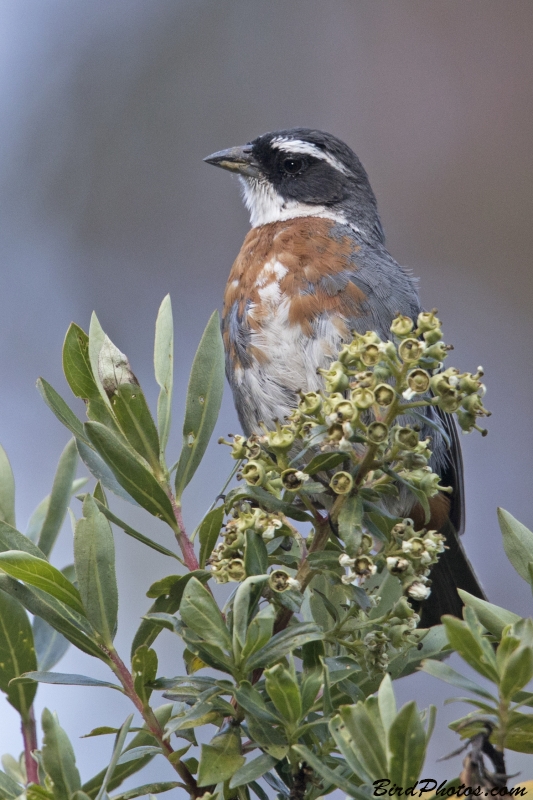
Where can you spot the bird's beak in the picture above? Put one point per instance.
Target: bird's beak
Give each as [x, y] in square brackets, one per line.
[236, 159]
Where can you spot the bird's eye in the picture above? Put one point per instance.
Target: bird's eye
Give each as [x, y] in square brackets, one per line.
[292, 166]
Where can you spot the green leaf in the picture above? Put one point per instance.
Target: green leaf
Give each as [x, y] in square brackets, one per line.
[204, 396]
[469, 647]
[220, 759]
[7, 490]
[147, 789]
[259, 631]
[133, 415]
[253, 703]
[519, 733]
[493, 618]
[407, 744]
[387, 702]
[9, 789]
[130, 473]
[333, 777]
[140, 537]
[17, 653]
[99, 469]
[97, 339]
[350, 524]
[208, 532]
[94, 558]
[283, 643]
[360, 737]
[517, 542]
[252, 770]
[139, 752]
[58, 758]
[284, 692]
[449, 675]
[42, 575]
[324, 461]
[163, 366]
[117, 752]
[246, 598]
[35, 524]
[123, 771]
[50, 646]
[59, 497]
[11, 539]
[76, 363]
[144, 668]
[63, 618]
[63, 412]
[199, 612]
[67, 679]
[517, 672]
[255, 554]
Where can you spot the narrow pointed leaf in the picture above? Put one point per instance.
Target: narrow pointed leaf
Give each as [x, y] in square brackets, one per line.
[493, 618]
[77, 365]
[407, 744]
[324, 461]
[97, 466]
[11, 539]
[268, 502]
[147, 788]
[220, 759]
[331, 776]
[94, 558]
[252, 770]
[59, 497]
[35, 524]
[209, 532]
[123, 771]
[117, 752]
[144, 668]
[360, 737]
[42, 575]
[199, 612]
[68, 679]
[163, 367]
[97, 339]
[446, 673]
[9, 789]
[17, 653]
[62, 411]
[58, 758]
[517, 542]
[50, 645]
[135, 420]
[283, 690]
[387, 702]
[255, 554]
[130, 473]
[63, 618]
[246, 597]
[204, 396]
[7, 490]
[135, 534]
[283, 643]
[139, 752]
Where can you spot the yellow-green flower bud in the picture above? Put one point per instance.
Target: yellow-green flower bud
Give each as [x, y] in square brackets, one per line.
[396, 565]
[281, 440]
[410, 350]
[335, 432]
[345, 411]
[370, 355]
[293, 479]
[450, 402]
[350, 354]
[469, 383]
[238, 448]
[384, 394]
[427, 321]
[466, 420]
[363, 398]
[407, 438]
[310, 404]
[418, 380]
[378, 432]
[364, 566]
[432, 337]
[414, 547]
[335, 378]
[401, 326]
[341, 483]
[363, 380]
[473, 404]
[280, 581]
[367, 543]
[437, 352]
[253, 473]
[235, 570]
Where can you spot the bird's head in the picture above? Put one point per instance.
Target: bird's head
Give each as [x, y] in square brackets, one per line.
[302, 173]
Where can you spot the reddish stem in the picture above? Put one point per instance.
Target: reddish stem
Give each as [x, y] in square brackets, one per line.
[186, 546]
[29, 735]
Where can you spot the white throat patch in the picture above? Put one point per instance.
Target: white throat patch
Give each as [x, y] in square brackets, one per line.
[266, 205]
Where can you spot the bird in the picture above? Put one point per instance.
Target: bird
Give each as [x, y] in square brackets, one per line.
[312, 268]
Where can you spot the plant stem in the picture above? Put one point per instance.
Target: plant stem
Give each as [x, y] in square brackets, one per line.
[126, 679]
[29, 735]
[186, 546]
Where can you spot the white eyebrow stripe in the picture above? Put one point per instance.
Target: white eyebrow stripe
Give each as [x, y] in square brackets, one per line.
[308, 149]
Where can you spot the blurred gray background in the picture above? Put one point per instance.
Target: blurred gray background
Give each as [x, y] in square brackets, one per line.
[106, 112]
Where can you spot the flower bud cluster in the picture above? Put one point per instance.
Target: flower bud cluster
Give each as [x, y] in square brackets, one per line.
[410, 555]
[227, 559]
